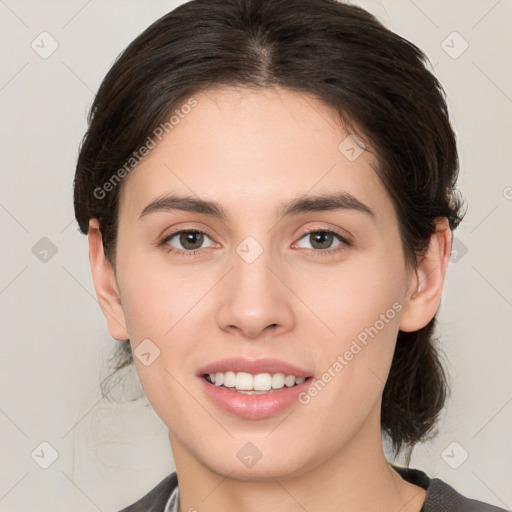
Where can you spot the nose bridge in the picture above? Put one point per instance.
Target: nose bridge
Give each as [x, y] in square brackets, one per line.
[250, 250]
[253, 281]
[253, 297]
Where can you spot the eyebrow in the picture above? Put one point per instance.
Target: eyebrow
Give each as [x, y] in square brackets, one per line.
[303, 204]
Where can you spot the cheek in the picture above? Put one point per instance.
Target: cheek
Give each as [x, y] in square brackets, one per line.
[354, 297]
[163, 304]
[151, 294]
[155, 307]
[361, 305]
[146, 310]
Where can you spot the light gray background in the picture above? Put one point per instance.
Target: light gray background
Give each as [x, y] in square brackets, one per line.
[54, 338]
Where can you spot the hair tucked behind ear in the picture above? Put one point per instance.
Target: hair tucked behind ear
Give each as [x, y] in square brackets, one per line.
[377, 83]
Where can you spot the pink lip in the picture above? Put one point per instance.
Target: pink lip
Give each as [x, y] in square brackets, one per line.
[254, 407]
[240, 364]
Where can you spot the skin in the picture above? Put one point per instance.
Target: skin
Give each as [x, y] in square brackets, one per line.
[251, 151]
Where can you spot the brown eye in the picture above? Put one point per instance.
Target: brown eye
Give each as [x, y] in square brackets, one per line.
[321, 240]
[190, 241]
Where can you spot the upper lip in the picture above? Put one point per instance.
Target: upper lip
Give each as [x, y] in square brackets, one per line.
[253, 366]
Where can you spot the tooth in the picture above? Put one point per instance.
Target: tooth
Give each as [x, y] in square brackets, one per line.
[244, 381]
[262, 382]
[259, 382]
[230, 379]
[252, 392]
[219, 378]
[289, 380]
[278, 380]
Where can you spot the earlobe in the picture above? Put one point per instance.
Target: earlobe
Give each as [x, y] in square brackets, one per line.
[424, 296]
[105, 284]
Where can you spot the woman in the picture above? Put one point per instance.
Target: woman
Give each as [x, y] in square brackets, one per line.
[268, 189]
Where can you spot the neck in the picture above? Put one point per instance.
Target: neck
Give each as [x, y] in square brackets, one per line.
[357, 477]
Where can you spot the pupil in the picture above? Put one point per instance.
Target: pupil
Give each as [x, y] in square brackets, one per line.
[320, 235]
[185, 238]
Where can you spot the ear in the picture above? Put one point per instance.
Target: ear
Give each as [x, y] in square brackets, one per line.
[424, 294]
[105, 284]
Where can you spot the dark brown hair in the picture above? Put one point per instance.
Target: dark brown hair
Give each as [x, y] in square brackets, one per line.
[377, 83]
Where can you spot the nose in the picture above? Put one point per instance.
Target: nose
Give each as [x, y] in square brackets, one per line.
[255, 297]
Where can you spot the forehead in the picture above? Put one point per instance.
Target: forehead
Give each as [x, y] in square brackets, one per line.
[249, 148]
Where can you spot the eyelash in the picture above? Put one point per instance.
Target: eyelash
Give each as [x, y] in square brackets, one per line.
[315, 252]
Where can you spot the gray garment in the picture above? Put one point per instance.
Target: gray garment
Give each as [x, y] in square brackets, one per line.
[440, 496]
[173, 502]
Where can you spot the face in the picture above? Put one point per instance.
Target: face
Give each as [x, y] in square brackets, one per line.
[321, 289]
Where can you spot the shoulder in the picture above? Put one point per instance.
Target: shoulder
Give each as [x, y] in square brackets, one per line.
[441, 497]
[444, 497]
[156, 499]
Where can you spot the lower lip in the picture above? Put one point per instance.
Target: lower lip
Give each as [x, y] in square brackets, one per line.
[254, 407]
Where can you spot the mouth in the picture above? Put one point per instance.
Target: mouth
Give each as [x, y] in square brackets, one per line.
[254, 389]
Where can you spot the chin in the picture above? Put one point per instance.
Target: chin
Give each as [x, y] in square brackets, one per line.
[279, 466]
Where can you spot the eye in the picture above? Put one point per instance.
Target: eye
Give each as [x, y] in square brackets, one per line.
[322, 239]
[190, 239]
